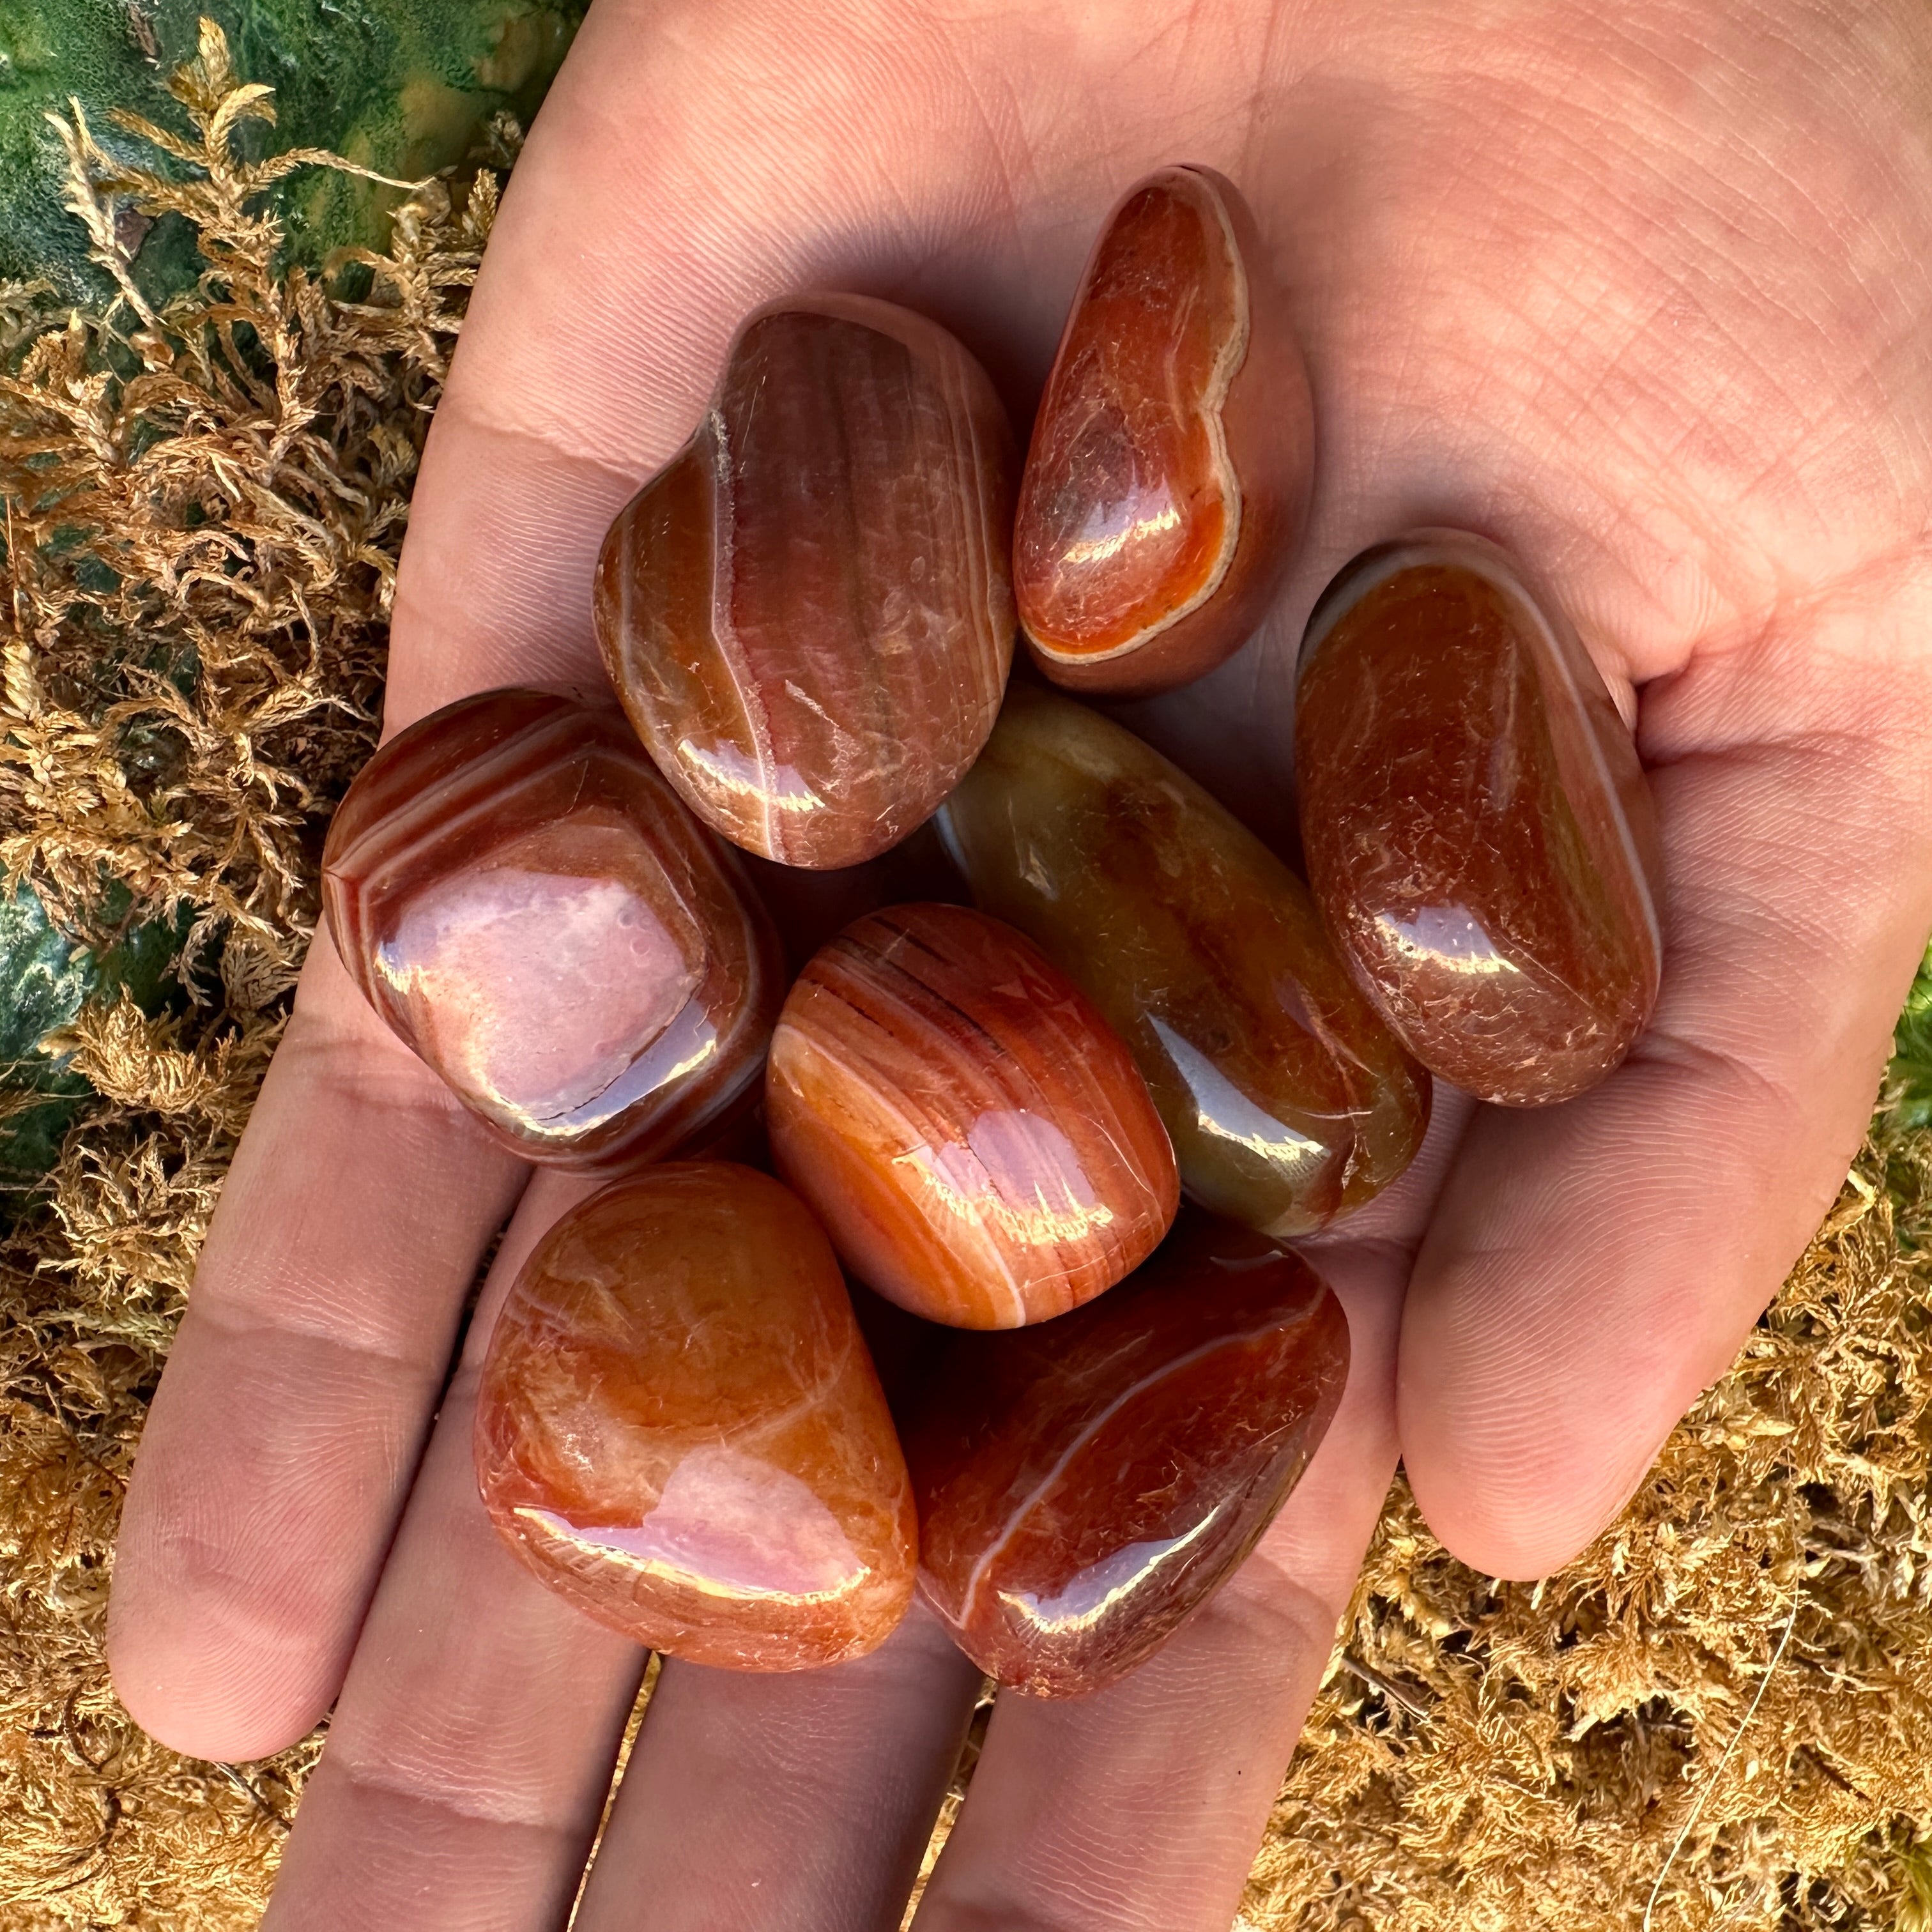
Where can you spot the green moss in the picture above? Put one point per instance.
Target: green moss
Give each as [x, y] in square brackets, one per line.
[1911, 1080]
[405, 87]
[45, 979]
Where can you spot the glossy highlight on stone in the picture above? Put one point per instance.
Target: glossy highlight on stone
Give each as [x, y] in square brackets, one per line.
[1083, 1487]
[971, 1133]
[1478, 831]
[1287, 1099]
[525, 903]
[1167, 476]
[807, 612]
[679, 1428]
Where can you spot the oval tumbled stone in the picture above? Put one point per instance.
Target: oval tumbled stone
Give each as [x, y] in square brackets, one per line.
[1287, 1099]
[807, 612]
[1477, 828]
[1168, 474]
[973, 1134]
[526, 903]
[679, 1428]
[1084, 1487]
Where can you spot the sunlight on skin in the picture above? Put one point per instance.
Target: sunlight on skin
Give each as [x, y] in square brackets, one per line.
[1638, 293]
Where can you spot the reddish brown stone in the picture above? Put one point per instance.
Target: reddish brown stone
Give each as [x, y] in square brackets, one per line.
[1083, 1487]
[972, 1133]
[1167, 477]
[523, 900]
[1478, 830]
[680, 1431]
[1287, 1100]
[807, 612]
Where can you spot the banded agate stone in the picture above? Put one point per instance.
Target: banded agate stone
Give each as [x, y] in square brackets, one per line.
[973, 1134]
[527, 905]
[679, 1428]
[1287, 1099]
[1167, 477]
[807, 612]
[1084, 1487]
[1478, 832]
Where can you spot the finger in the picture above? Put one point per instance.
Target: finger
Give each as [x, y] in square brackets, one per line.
[1141, 1806]
[1594, 1266]
[468, 1757]
[283, 1439]
[842, 1770]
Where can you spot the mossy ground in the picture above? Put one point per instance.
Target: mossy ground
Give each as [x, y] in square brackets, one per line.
[402, 87]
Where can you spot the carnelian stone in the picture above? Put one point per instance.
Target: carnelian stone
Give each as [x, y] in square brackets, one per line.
[1478, 832]
[1084, 1487]
[1167, 477]
[680, 1430]
[1287, 1100]
[973, 1134]
[808, 613]
[525, 903]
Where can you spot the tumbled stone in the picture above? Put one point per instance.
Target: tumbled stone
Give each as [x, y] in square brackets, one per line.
[1084, 1487]
[1478, 832]
[1287, 1099]
[525, 902]
[972, 1133]
[808, 613]
[1167, 476]
[679, 1428]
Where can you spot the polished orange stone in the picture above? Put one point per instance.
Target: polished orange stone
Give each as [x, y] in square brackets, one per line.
[1287, 1099]
[680, 1431]
[1085, 1486]
[1478, 832]
[525, 902]
[971, 1132]
[1168, 473]
[807, 612]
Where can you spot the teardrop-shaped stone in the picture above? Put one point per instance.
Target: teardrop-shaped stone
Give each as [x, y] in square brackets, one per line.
[1287, 1100]
[525, 902]
[1167, 476]
[1085, 1487]
[807, 612]
[679, 1428]
[972, 1133]
[1477, 828]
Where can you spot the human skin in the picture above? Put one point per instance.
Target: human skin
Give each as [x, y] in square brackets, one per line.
[1638, 292]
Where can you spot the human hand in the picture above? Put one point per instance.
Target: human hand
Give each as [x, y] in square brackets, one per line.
[1639, 293]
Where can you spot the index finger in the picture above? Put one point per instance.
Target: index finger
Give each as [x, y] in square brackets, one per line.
[285, 1435]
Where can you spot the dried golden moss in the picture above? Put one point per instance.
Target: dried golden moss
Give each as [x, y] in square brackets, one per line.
[1721, 1715]
[203, 509]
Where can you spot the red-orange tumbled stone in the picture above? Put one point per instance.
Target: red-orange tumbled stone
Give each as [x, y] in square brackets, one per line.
[971, 1132]
[1167, 476]
[1085, 1487]
[1477, 828]
[525, 903]
[808, 613]
[679, 1428]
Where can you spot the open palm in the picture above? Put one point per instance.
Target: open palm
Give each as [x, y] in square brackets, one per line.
[1639, 291]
